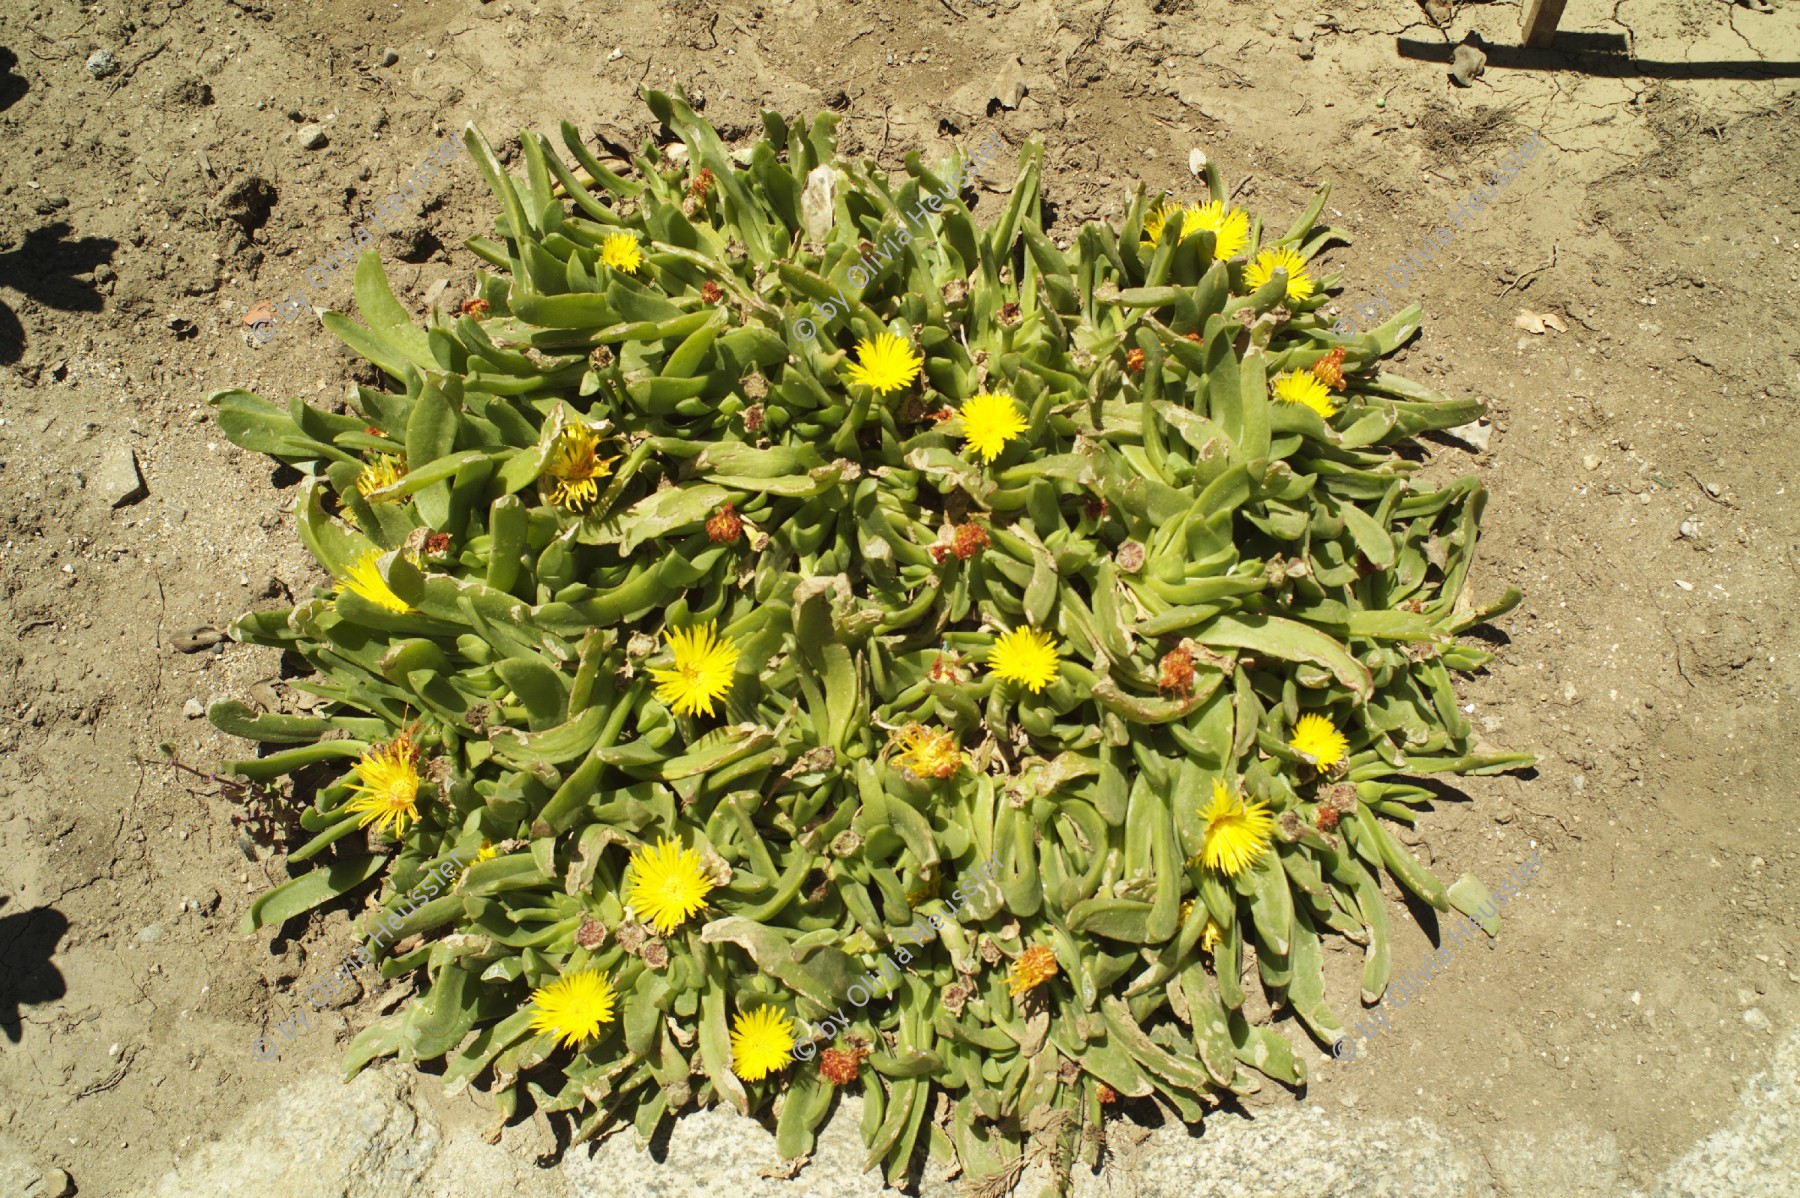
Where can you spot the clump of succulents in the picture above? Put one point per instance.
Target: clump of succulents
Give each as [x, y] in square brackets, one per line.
[724, 652]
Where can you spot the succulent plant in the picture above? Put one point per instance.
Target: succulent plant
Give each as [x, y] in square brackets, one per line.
[769, 548]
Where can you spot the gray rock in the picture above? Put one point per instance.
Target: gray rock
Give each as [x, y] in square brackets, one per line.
[192, 709]
[312, 137]
[389, 57]
[150, 933]
[102, 63]
[54, 1184]
[117, 481]
[378, 1135]
[1467, 65]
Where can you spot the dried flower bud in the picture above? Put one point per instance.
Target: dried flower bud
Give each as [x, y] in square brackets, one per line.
[989, 951]
[1134, 361]
[1130, 557]
[711, 292]
[632, 937]
[1342, 795]
[725, 526]
[1291, 827]
[956, 996]
[656, 955]
[1009, 314]
[955, 292]
[753, 418]
[591, 934]
[601, 358]
[1326, 819]
[846, 843]
[437, 543]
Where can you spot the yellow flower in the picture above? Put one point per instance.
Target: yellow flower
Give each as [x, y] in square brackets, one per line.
[387, 788]
[1026, 656]
[574, 470]
[928, 752]
[887, 363]
[620, 251]
[1035, 966]
[1230, 227]
[1259, 272]
[386, 470]
[1211, 935]
[761, 1042]
[1236, 834]
[1304, 387]
[989, 422]
[364, 579]
[573, 1007]
[668, 884]
[702, 673]
[1158, 217]
[1317, 737]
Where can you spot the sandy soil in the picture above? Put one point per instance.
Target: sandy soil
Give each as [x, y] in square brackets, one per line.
[1641, 458]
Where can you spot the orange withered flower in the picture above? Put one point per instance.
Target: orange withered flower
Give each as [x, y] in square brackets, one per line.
[1177, 673]
[710, 292]
[724, 525]
[476, 307]
[1035, 966]
[1134, 361]
[1326, 819]
[1330, 369]
[968, 540]
[838, 1066]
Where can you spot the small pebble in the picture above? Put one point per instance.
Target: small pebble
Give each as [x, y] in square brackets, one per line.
[151, 934]
[193, 709]
[102, 63]
[389, 57]
[312, 137]
[1684, 584]
[1756, 1019]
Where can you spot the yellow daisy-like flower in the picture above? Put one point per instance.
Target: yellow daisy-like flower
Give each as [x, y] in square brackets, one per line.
[989, 422]
[573, 1007]
[1026, 656]
[762, 1041]
[1230, 227]
[928, 752]
[1236, 833]
[620, 251]
[1035, 966]
[1159, 217]
[1280, 257]
[668, 884]
[887, 363]
[702, 671]
[364, 579]
[1304, 387]
[386, 470]
[573, 473]
[1317, 737]
[386, 793]
[1211, 935]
